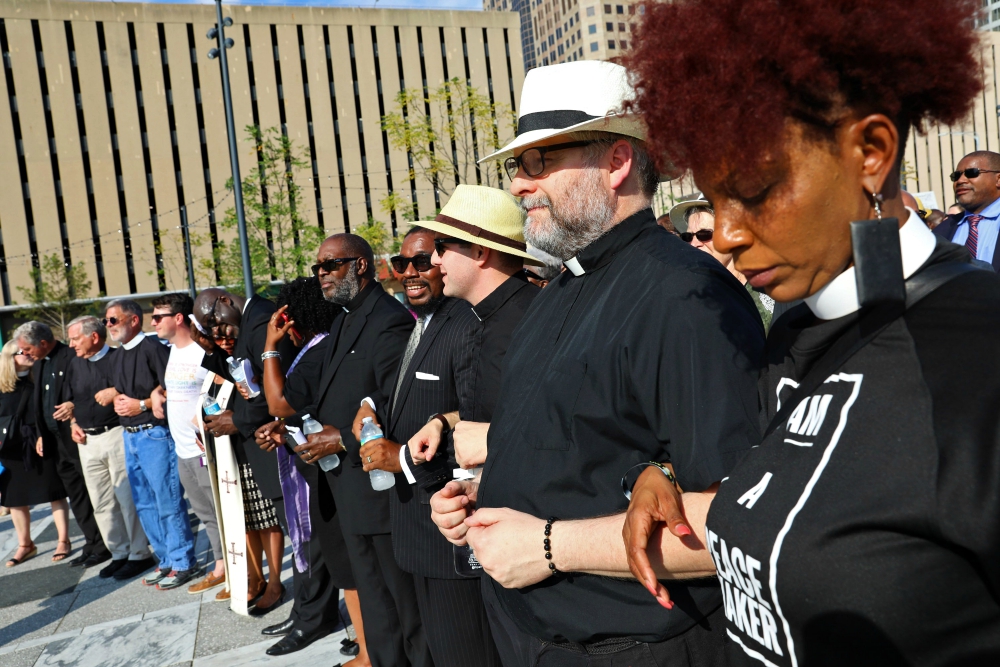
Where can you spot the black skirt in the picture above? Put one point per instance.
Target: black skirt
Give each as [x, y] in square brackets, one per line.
[37, 484]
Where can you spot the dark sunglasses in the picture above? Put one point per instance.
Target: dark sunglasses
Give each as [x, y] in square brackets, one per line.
[531, 275]
[159, 316]
[533, 159]
[421, 262]
[112, 321]
[440, 245]
[331, 265]
[703, 235]
[971, 172]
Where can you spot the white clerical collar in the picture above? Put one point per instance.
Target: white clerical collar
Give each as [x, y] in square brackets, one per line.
[100, 355]
[839, 297]
[573, 264]
[135, 341]
[23, 374]
[245, 304]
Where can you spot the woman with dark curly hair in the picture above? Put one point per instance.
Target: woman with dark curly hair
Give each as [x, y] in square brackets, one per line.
[864, 529]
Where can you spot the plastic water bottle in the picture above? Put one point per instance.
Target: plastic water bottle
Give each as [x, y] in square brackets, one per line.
[381, 479]
[236, 370]
[213, 408]
[309, 426]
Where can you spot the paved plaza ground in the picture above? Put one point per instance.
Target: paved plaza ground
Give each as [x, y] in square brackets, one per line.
[55, 615]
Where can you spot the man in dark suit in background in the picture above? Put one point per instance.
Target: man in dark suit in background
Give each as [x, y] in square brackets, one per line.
[977, 191]
[368, 340]
[52, 359]
[434, 377]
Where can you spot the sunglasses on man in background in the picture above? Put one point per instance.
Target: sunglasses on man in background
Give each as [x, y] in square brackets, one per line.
[421, 262]
[331, 265]
[971, 172]
[703, 235]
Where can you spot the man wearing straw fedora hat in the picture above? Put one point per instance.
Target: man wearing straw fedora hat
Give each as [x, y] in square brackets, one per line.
[643, 350]
[478, 252]
[481, 252]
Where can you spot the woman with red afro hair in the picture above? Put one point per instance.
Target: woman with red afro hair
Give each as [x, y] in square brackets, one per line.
[865, 528]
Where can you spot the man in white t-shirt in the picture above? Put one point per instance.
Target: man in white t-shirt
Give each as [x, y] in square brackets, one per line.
[183, 379]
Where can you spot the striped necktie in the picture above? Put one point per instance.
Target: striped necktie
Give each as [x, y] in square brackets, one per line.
[411, 347]
[972, 243]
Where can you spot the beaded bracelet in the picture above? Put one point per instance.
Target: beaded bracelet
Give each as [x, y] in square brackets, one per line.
[270, 355]
[548, 544]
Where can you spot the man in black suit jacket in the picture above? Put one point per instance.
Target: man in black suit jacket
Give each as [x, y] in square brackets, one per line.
[977, 190]
[434, 377]
[368, 340]
[52, 359]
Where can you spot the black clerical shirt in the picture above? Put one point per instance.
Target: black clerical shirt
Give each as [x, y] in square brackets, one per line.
[499, 315]
[86, 378]
[651, 353]
[137, 372]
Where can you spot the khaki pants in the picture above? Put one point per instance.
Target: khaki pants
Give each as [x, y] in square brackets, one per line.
[103, 460]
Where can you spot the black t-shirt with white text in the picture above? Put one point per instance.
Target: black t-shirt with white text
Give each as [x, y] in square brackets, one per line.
[865, 530]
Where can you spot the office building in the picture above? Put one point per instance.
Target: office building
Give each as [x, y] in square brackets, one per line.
[112, 122]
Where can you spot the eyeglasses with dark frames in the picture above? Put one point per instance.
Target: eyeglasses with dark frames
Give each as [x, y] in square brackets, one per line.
[533, 159]
[703, 235]
[440, 245]
[421, 262]
[531, 275]
[159, 316]
[971, 172]
[331, 265]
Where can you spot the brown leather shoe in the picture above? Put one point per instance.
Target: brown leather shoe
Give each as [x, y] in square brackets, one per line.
[209, 582]
[222, 596]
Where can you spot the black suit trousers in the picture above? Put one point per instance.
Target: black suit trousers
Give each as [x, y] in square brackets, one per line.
[455, 622]
[315, 600]
[389, 608]
[70, 471]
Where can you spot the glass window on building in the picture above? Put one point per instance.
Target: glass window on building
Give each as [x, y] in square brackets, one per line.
[619, 9]
[642, 9]
[621, 27]
[593, 46]
[591, 29]
[610, 27]
[631, 10]
[624, 44]
[611, 44]
[607, 9]
[590, 11]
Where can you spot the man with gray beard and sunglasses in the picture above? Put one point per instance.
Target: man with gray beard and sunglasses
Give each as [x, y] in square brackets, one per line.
[643, 350]
[367, 341]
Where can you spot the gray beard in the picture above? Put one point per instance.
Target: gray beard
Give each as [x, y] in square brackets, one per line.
[346, 289]
[584, 215]
[428, 308]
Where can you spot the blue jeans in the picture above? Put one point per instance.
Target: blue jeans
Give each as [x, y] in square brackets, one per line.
[159, 500]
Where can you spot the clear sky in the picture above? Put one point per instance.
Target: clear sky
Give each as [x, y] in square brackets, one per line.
[410, 4]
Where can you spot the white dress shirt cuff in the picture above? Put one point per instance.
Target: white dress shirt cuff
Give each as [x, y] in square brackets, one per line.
[406, 469]
[369, 401]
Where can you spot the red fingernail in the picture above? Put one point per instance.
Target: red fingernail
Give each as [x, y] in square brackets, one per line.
[668, 604]
[683, 530]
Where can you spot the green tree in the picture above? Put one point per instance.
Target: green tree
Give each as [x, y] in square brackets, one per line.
[58, 294]
[281, 243]
[445, 145]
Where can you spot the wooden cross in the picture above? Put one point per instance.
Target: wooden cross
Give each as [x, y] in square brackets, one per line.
[228, 482]
[234, 553]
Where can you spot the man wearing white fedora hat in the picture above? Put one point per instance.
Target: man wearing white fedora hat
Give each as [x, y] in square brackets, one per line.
[644, 350]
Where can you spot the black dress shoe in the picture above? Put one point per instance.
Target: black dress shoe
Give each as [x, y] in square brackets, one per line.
[282, 628]
[94, 559]
[108, 571]
[79, 560]
[296, 640]
[349, 648]
[256, 610]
